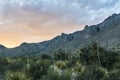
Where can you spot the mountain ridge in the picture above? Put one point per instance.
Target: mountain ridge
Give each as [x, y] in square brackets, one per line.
[104, 33]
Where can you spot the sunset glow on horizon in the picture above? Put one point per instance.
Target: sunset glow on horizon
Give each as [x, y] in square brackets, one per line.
[34, 21]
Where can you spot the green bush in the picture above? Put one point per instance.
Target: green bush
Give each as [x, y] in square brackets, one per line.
[114, 75]
[9, 75]
[72, 60]
[60, 64]
[66, 75]
[54, 75]
[3, 65]
[96, 55]
[79, 68]
[92, 73]
[46, 56]
[61, 55]
[17, 66]
[39, 69]
[117, 65]
[83, 67]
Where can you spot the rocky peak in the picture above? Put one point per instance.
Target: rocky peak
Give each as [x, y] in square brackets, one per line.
[63, 34]
[2, 47]
[86, 27]
[108, 30]
[24, 44]
[108, 23]
[113, 16]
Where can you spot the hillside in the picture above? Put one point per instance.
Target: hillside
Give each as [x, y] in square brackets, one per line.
[106, 34]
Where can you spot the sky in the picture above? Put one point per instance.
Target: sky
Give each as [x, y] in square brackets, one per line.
[38, 20]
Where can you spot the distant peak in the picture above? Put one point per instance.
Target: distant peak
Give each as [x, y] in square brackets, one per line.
[2, 47]
[24, 43]
[63, 34]
[112, 16]
[86, 26]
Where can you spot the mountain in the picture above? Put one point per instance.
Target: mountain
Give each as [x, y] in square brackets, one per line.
[106, 34]
[2, 47]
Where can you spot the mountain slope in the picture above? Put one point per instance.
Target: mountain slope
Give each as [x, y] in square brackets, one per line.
[2, 47]
[106, 34]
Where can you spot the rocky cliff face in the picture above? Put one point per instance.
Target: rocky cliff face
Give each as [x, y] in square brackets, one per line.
[106, 34]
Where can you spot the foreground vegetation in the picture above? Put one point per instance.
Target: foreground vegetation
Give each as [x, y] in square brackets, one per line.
[90, 63]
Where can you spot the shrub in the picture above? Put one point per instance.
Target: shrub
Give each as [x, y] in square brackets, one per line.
[66, 75]
[54, 75]
[79, 68]
[92, 73]
[3, 65]
[117, 65]
[60, 64]
[9, 75]
[107, 59]
[114, 75]
[45, 56]
[37, 70]
[72, 60]
[61, 55]
[16, 66]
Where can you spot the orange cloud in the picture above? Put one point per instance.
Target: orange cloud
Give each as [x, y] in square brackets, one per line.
[29, 26]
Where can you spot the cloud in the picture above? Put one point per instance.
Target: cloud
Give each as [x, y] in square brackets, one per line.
[68, 10]
[37, 20]
[98, 4]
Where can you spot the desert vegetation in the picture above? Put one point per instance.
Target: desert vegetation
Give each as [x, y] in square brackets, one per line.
[89, 63]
